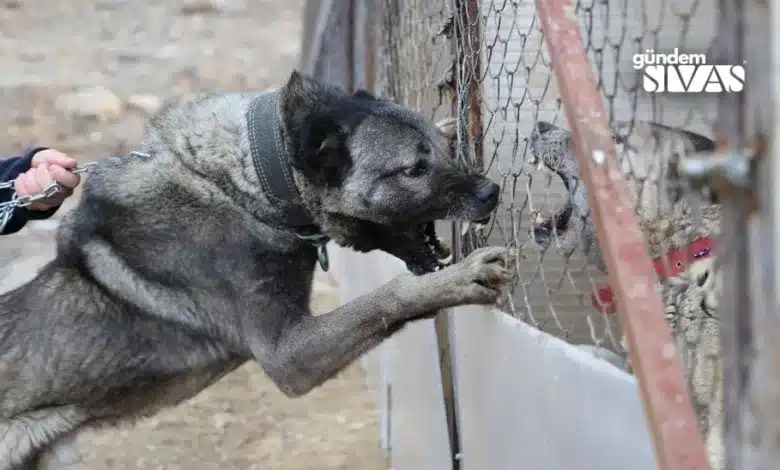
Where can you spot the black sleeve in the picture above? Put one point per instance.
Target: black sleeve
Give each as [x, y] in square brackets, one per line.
[9, 169]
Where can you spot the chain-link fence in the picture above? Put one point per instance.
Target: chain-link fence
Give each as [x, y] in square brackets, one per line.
[415, 55]
[487, 62]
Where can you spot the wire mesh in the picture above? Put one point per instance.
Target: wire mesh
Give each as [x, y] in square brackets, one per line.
[415, 55]
[502, 79]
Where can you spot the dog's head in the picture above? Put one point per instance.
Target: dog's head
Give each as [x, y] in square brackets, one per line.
[377, 175]
[570, 227]
[649, 154]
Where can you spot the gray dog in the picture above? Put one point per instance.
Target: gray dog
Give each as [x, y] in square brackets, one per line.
[679, 238]
[196, 254]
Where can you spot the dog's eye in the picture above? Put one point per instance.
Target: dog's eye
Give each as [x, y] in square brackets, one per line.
[417, 169]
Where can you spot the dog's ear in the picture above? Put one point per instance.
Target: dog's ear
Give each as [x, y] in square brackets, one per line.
[298, 99]
[364, 95]
[318, 137]
[699, 142]
[322, 154]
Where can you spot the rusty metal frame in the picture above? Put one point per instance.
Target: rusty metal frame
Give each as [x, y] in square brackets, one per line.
[467, 40]
[466, 78]
[466, 50]
[750, 221]
[736, 334]
[657, 366]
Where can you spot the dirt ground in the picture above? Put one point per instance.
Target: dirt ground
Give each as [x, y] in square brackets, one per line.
[141, 55]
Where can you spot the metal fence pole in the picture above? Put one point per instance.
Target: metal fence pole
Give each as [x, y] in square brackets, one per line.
[750, 310]
[657, 365]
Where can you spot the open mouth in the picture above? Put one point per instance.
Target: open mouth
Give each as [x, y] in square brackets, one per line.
[543, 228]
[438, 247]
[428, 252]
[425, 252]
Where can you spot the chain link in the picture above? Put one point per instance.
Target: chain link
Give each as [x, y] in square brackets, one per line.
[7, 208]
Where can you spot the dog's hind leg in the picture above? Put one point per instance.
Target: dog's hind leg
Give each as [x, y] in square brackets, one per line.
[309, 350]
[26, 438]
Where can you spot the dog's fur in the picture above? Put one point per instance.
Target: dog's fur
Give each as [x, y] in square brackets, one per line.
[649, 155]
[174, 268]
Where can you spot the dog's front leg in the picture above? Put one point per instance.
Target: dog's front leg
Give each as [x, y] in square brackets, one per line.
[312, 349]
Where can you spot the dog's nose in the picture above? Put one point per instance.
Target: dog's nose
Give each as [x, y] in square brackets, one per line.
[544, 126]
[488, 192]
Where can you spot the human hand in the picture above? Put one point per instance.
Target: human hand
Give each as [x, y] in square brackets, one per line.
[48, 166]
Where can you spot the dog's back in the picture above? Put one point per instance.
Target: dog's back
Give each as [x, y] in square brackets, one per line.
[183, 261]
[87, 339]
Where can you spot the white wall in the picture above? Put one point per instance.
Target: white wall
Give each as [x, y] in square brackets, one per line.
[524, 398]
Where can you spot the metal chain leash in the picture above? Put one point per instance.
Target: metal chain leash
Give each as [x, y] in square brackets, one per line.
[7, 208]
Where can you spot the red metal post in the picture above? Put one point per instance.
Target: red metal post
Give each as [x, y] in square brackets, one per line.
[468, 37]
[656, 363]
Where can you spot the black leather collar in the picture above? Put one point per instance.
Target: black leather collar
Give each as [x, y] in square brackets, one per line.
[270, 156]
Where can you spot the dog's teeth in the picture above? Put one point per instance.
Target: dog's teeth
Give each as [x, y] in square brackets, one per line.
[446, 260]
[464, 229]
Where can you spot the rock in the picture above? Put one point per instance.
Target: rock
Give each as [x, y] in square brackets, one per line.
[227, 407]
[222, 420]
[98, 103]
[147, 104]
[193, 7]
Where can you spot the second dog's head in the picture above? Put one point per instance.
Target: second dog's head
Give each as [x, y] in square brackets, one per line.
[648, 154]
[571, 226]
[377, 175]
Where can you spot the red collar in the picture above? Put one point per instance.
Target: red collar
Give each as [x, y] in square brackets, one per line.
[675, 265]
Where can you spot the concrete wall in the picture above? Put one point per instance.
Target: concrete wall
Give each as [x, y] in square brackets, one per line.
[524, 399]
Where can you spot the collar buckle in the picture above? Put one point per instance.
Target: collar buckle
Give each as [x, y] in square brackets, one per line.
[320, 241]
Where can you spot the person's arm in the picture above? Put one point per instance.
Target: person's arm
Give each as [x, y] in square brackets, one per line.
[11, 168]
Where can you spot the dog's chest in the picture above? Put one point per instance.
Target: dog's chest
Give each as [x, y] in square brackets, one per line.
[148, 398]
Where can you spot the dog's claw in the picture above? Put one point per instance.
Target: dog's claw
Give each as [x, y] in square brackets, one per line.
[445, 261]
[464, 228]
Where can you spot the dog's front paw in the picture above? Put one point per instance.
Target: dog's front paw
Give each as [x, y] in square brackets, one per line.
[481, 276]
[478, 279]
